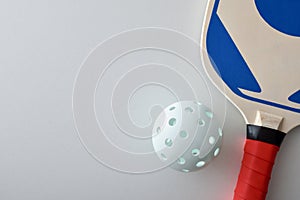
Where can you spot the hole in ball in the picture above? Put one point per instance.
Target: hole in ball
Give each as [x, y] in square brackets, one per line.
[163, 156]
[172, 108]
[217, 151]
[220, 132]
[200, 164]
[181, 161]
[209, 114]
[201, 122]
[189, 109]
[183, 134]
[172, 122]
[158, 130]
[195, 152]
[168, 142]
[211, 140]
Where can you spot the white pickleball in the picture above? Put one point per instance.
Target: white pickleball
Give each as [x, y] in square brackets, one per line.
[187, 135]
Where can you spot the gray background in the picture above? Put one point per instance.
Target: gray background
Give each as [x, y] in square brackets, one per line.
[42, 45]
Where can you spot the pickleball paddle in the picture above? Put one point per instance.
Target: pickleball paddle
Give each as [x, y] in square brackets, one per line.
[252, 51]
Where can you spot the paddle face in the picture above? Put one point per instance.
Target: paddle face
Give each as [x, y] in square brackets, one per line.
[253, 47]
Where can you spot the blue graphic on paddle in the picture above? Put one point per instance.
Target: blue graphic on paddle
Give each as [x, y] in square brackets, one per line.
[284, 16]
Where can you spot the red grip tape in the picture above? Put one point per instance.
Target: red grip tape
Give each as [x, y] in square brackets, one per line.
[255, 171]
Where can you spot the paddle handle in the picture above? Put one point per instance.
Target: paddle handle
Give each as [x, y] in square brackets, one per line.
[256, 169]
[260, 152]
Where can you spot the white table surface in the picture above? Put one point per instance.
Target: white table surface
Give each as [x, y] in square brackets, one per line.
[43, 44]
